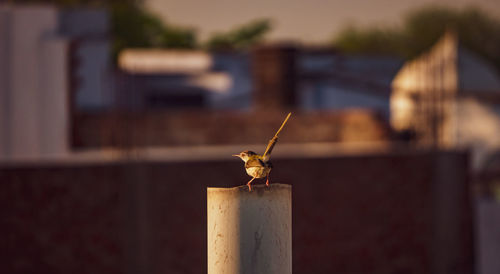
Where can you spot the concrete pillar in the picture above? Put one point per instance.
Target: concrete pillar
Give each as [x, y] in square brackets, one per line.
[250, 232]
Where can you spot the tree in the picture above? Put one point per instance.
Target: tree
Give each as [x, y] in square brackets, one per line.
[134, 27]
[422, 28]
[369, 41]
[240, 38]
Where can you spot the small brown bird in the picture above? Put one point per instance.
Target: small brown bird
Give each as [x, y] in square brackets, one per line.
[259, 166]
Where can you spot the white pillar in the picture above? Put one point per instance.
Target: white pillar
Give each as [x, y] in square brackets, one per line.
[250, 232]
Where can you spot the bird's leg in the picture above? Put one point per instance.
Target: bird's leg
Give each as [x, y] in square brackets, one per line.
[248, 184]
[267, 181]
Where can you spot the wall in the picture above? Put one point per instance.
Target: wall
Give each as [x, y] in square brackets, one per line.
[488, 241]
[4, 76]
[34, 93]
[170, 128]
[381, 213]
[326, 96]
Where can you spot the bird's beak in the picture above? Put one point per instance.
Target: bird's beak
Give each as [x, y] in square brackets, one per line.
[236, 155]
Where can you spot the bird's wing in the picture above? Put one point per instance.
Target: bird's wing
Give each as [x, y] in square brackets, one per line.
[256, 162]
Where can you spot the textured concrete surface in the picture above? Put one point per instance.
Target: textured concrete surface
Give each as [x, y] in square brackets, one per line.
[250, 232]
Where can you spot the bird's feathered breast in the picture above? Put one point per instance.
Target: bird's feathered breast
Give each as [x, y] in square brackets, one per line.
[257, 168]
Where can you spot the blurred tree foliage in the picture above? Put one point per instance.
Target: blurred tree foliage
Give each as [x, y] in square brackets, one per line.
[421, 28]
[132, 25]
[241, 37]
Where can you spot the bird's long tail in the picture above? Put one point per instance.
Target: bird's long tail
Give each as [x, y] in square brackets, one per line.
[273, 141]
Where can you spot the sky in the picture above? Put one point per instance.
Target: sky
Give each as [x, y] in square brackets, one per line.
[308, 21]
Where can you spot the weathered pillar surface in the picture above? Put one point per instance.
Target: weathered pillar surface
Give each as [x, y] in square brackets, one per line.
[250, 232]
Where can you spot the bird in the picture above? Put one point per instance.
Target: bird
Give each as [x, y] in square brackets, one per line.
[259, 166]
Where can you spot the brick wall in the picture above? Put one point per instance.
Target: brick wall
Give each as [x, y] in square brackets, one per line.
[403, 212]
[223, 127]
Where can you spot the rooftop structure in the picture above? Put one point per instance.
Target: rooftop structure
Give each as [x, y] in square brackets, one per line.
[48, 60]
[449, 97]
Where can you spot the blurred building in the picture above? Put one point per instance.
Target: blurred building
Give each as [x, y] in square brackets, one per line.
[58, 91]
[185, 97]
[330, 80]
[270, 76]
[88, 31]
[49, 58]
[449, 97]
[177, 79]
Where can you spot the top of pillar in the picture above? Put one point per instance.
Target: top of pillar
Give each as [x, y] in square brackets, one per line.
[255, 188]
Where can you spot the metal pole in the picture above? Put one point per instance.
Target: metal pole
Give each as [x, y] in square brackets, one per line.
[250, 232]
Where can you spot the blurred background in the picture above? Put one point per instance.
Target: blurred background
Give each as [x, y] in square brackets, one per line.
[116, 115]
